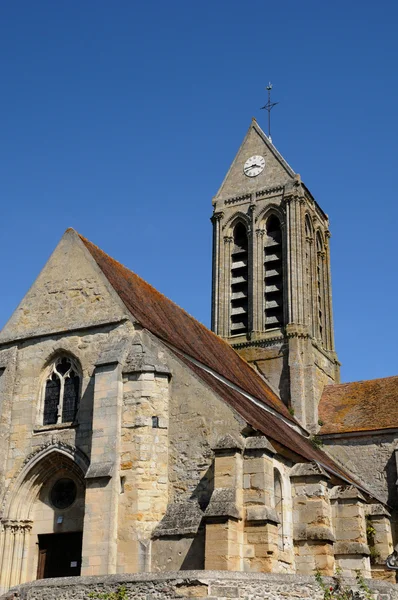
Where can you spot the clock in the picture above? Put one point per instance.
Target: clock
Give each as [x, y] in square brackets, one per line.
[253, 166]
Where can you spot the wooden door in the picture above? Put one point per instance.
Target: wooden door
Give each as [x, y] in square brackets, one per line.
[59, 555]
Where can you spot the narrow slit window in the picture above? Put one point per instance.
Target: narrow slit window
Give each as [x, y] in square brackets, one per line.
[239, 281]
[278, 499]
[273, 274]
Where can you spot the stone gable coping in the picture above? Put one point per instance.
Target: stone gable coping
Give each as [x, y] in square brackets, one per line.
[228, 442]
[259, 443]
[223, 504]
[261, 513]
[311, 469]
[346, 492]
[99, 470]
[181, 518]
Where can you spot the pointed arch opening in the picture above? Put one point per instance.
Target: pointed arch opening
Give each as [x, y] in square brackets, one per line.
[45, 501]
[273, 274]
[308, 272]
[239, 280]
[320, 283]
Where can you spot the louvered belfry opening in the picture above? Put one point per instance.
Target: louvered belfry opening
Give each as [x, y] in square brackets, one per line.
[239, 281]
[273, 273]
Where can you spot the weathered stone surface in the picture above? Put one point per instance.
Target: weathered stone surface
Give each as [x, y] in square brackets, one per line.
[261, 513]
[350, 492]
[98, 470]
[311, 469]
[223, 504]
[228, 442]
[181, 518]
[351, 548]
[259, 443]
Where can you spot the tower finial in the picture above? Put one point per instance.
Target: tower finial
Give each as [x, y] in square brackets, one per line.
[268, 107]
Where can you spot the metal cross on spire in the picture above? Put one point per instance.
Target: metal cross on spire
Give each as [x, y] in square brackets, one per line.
[268, 107]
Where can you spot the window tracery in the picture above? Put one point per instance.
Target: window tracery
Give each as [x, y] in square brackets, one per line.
[61, 392]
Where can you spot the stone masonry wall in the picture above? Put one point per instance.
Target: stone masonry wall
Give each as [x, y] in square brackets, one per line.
[372, 459]
[214, 585]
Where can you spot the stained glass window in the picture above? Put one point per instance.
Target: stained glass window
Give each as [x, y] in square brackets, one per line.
[71, 393]
[51, 400]
[61, 393]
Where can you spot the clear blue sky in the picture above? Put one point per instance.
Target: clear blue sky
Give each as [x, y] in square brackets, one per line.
[121, 118]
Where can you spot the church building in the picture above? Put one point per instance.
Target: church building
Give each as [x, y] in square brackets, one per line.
[134, 439]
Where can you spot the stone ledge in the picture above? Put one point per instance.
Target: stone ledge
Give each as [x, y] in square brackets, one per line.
[177, 584]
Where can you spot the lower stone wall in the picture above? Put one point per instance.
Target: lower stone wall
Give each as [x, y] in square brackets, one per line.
[213, 585]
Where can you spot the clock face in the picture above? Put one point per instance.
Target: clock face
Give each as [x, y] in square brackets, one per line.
[253, 166]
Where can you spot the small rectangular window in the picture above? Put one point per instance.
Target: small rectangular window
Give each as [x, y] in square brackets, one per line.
[155, 422]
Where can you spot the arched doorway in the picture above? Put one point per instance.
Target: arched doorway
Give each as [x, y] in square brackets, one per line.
[42, 521]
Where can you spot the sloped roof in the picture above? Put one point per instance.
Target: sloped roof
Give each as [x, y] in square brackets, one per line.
[174, 325]
[189, 339]
[360, 406]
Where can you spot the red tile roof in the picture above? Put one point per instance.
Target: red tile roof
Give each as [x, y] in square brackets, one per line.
[189, 340]
[359, 406]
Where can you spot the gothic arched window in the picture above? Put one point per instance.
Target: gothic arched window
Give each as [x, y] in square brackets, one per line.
[278, 499]
[239, 280]
[273, 274]
[61, 392]
[320, 275]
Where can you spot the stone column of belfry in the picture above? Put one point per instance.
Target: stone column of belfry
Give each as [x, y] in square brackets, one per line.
[224, 525]
[312, 520]
[225, 316]
[328, 300]
[351, 548]
[258, 299]
[261, 521]
[252, 283]
[295, 329]
[217, 273]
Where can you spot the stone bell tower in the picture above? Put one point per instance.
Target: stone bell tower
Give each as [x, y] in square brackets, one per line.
[271, 296]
